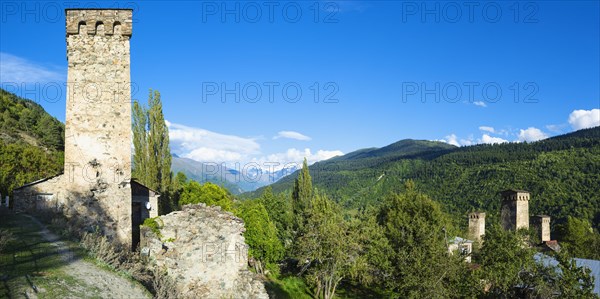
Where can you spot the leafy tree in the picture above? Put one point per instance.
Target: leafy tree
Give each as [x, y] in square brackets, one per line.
[209, 194]
[152, 156]
[505, 259]
[579, 238]
[327, 249]
[510, 269]
[280, 212]
[413, 260]
[261, 236]
[301, 197]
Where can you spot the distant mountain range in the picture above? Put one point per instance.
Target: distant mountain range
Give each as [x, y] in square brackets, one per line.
[236, 180]
[562, 173]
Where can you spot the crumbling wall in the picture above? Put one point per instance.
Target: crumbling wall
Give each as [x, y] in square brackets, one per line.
[203, 250]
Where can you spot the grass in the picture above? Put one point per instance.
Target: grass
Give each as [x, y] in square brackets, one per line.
[287, 287]
[31, 266]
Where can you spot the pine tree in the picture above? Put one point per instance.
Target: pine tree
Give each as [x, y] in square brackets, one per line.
[301, 197]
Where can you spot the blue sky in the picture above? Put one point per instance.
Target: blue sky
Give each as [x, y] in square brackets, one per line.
[462, 72]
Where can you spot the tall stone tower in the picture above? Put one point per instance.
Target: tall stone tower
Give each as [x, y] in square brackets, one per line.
[542, 224]
[98, 116]
[476, 225]
[515, 209]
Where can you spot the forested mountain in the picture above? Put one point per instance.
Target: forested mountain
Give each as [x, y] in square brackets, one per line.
[31, 142]
[562, 173]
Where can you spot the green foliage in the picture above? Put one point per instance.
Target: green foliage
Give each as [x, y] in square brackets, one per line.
[261, 235]
[562, 173]
[505, 257]
[25, 121]
[301, 197]
[152, 155]
[208, 193]
[411, 256]
[326, 248]
[579, 238]
[154, 224]
[31, 143]
[280, 212]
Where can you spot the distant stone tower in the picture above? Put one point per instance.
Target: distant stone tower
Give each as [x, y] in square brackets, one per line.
[542, 224]
[98, 114]
[515, 209]
[476, 225]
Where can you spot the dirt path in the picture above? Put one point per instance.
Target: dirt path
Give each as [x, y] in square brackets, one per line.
[78, 278]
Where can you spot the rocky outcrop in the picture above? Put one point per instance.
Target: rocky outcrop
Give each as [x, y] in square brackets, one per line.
[204, 252]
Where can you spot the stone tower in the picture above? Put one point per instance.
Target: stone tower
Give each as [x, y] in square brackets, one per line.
[476, 225]
[542, 224]
[98, 114]
[515, 209]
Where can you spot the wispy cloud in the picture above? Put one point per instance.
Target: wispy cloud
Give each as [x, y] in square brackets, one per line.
[581, 119]
[207, 146]
[291, 135]
[480, 104]
[487, 129]
[20, 70]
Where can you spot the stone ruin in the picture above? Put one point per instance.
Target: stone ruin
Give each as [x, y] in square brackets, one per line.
[203, 250]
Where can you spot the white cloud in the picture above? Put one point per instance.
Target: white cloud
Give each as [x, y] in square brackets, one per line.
[487, 129]
[296, 156]
[291, 135]
[454, 140]
[581, 119]
[532, 134]
[489, 139]
[19, 70]
[480, 103]
[206, 146]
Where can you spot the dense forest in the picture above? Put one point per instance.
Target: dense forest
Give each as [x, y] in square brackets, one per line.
[562, 173]
[31, 142]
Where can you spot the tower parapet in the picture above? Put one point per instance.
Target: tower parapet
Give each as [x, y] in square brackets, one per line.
[476, 225]
[515, 209]
[109, 21]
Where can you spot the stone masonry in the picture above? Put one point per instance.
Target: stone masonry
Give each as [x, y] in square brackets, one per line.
[203, 250]
[98, 119]
[476, 225]
[515, 209]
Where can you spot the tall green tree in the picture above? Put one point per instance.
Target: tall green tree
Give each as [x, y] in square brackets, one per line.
[301, 197]
[413, 261]
[327, 249]
[152, 155]
[261, 236]
[280, 211]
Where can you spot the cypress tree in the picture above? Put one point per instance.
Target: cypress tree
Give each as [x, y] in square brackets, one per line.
[301, 197]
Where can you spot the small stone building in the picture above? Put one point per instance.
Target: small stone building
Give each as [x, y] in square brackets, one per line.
[96, 184]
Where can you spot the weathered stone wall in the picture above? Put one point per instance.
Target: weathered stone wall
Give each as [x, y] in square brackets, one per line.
[542, 225]
[515, 209]
[204, 251]
[98, 117]
[476, 225]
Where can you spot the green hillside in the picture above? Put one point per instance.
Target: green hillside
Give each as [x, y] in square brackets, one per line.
[31, 142]
[562, 173]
